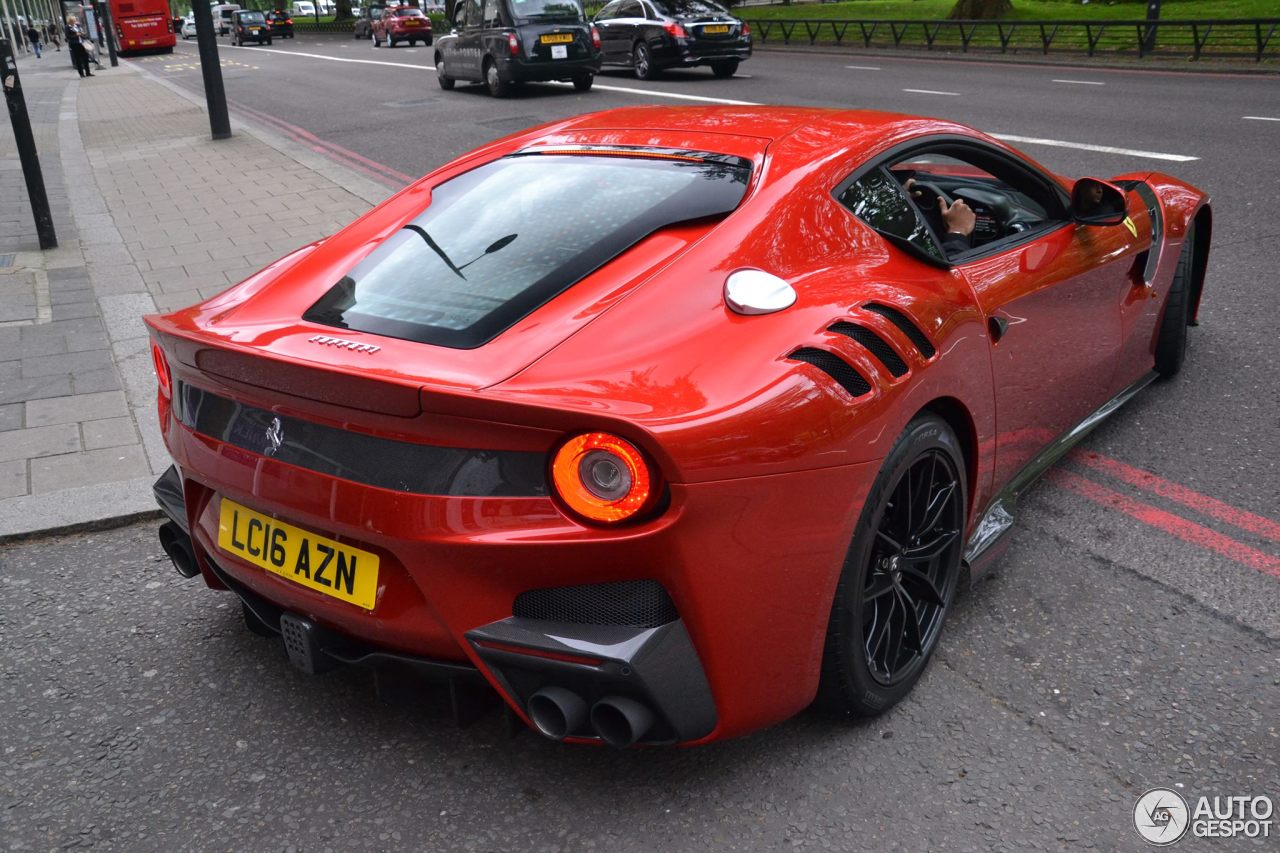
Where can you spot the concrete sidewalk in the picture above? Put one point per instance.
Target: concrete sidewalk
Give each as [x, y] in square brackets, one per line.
[151, 214]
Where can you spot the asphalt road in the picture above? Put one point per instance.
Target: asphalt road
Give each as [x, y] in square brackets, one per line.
[1130, 639]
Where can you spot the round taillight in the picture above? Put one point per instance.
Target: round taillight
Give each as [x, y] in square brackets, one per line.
[162, 370]
[602, 477]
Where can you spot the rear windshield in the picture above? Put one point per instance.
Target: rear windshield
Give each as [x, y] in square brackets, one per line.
[687, 8]
[410, 13]
[502, 239]
[547, 10]
[251, 17]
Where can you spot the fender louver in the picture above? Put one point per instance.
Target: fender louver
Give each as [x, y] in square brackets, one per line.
[879, 346]
[835, 367]
[911, 330]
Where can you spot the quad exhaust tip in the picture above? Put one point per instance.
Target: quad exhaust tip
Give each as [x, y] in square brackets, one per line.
[620, 721]
[177, 545]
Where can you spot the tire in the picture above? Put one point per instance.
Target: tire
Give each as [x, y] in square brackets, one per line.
[374, 36]
[427, 41]
[864, 673]
[445, 81]
[582, 82]
[391, 41]
[725, 69]
[498, 87]
[1171, 344]
[268, 42]
[642, 61]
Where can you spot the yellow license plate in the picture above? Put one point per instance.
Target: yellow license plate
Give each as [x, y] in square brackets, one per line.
[716, 30]
[411, 23]
[557, 38]
[306, 558]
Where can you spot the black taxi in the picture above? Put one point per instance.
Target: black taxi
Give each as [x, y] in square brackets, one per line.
[504, 42]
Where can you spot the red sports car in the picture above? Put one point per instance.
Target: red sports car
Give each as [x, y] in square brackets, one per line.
[664, 422]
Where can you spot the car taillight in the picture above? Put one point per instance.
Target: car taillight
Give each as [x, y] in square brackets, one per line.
[513, 44]
[162, 371]
[746, 28]
[289, 21]
[602, 477]
[595, 37]
[675, 30]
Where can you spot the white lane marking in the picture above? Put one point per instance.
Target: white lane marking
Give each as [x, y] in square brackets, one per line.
[1081, 82]
[863, 67]
[1104, 149]
[931, 92]
[1026, 140]
[1260, 118]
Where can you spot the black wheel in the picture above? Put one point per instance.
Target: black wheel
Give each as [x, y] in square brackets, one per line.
[725, 69]
[268, 42]
[1171, 345]
[493, 80]
[374, 36]
[254, 624]
[900, 574]
[582, 82]
[427, 41]
[445, 81]
[642, 61]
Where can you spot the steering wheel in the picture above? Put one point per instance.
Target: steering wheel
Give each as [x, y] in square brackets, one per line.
[924, 193]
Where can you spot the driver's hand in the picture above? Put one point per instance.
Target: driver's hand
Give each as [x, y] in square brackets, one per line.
[959, 218]
[910, 187]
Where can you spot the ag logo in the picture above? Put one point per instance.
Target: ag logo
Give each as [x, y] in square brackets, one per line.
[1161, 816]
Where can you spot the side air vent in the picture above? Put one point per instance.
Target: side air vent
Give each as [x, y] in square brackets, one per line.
[835, 367]
[911, 330]
[879, 346]
[641, 604]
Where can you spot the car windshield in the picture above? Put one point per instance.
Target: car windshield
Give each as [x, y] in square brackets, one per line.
[546, 10]
[687, 8]
[502, 239]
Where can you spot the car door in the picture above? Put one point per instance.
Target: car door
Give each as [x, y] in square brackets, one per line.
[1051, 292]
[471, 40]
[604, 21]
[627, 28]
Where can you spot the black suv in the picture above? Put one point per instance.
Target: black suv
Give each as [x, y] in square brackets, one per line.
[504, 42]
[280, 23]
[649, 35]
[249, 26]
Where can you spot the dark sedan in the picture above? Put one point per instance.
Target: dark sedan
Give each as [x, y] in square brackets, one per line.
[507, 42]
[650, 35]
[249, 26]
[280, 24]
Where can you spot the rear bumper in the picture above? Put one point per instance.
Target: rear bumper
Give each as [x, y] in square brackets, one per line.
[517, 70]
[690, 54]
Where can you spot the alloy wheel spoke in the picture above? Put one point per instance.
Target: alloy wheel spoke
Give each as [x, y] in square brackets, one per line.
[933, 513]
[932, 548]
[880, 583]
[918, 585]
[893, 648]
[910, 634]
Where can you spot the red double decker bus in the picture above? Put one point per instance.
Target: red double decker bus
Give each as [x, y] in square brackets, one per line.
[143, 25]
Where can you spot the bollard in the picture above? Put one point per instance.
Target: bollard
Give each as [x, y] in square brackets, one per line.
[26, 146]
[215, 96]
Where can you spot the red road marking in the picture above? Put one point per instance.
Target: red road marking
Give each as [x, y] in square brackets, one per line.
[1175, 525]
[1211, 507]
[360, 162]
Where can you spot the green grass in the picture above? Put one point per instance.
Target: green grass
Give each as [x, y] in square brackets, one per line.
[1027, 10]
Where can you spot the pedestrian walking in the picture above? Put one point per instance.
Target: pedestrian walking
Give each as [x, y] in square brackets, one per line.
[75, 44]
[33, 36]
[53, 39]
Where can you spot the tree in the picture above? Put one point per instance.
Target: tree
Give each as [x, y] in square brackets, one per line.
[342, 10]
[980, 10]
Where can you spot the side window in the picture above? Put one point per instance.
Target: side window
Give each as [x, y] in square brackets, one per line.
[610, 11]
[460, 16]
[492, 13]
[631, 9]
[878, 200]
[475, 14]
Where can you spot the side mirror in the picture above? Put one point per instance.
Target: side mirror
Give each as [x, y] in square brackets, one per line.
[1095, 202]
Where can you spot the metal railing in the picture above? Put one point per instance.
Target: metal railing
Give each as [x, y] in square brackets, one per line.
[1231, 37]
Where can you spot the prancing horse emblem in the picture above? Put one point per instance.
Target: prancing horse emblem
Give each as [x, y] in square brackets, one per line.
[275, 435]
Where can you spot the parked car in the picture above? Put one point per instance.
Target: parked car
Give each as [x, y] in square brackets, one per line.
[650, 35]
[188, 29]
[303, 9]
[280, 23]
[666, 420]
[222, 13]
[514, 41]
[249, 26]
[363, 27]
[402, 24]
